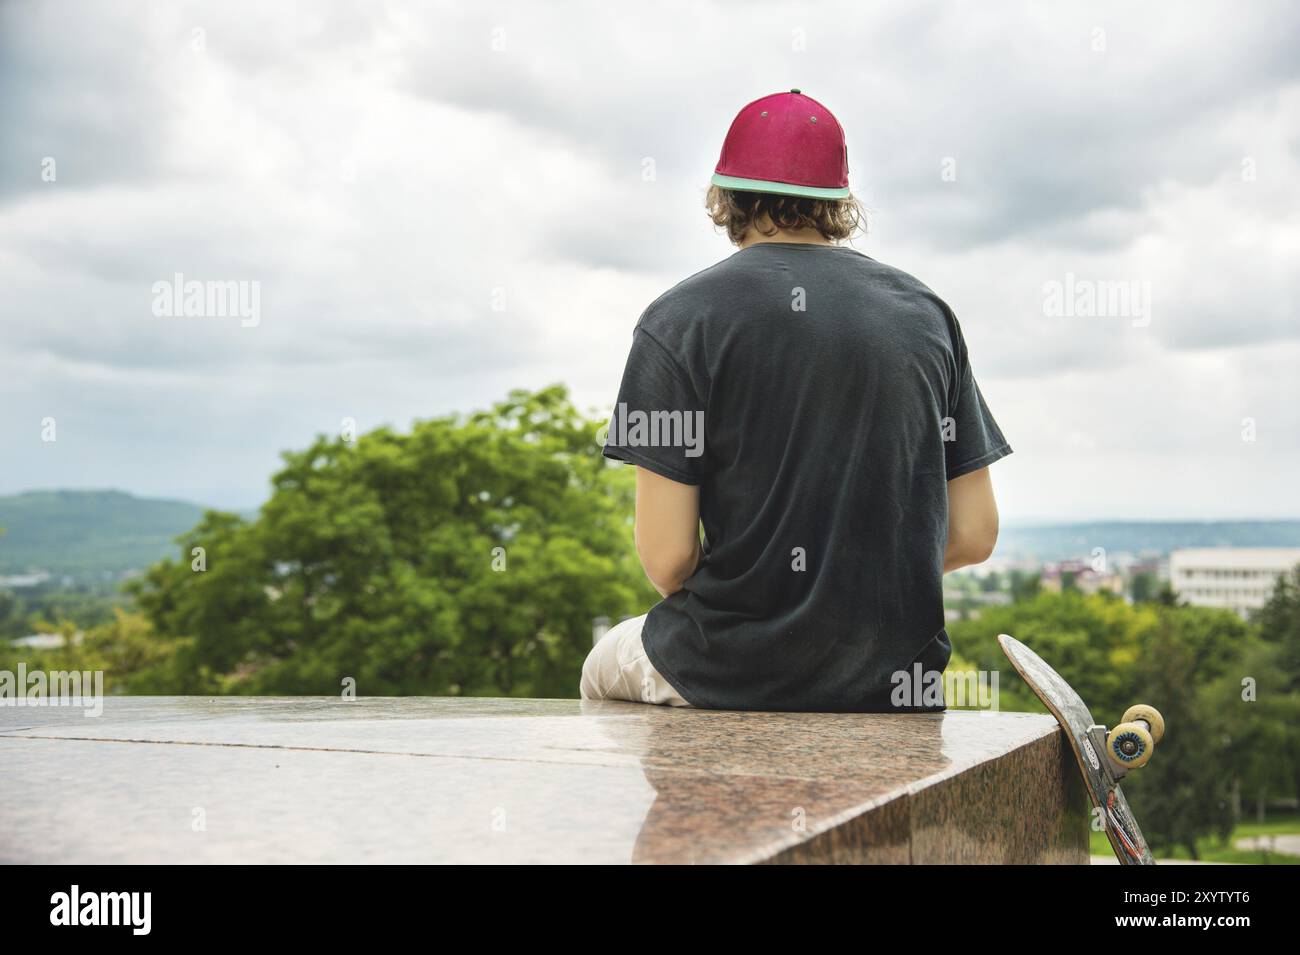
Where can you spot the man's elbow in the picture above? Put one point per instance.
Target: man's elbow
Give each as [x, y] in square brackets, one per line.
[977, 544]
[668, 569]
[982, 549]
[970, 545]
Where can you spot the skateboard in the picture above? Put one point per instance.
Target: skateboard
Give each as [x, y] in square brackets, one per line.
[1104, 756]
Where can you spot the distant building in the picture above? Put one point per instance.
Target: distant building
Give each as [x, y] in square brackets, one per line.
[1079, 575]
[1155, 566]
[1233, 578]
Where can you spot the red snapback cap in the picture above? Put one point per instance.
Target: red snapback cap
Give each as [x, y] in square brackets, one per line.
[788, 144]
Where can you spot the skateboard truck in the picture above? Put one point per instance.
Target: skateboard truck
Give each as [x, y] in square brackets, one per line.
[1130, 744]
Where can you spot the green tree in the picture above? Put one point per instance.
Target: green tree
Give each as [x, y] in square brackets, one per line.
[466, 557]
[1278, 622]
[1184, 792]
[1093, 641]
[1144, 587]
[1259, 717]
[1024, 586]
[1269, 688]
[132, 657]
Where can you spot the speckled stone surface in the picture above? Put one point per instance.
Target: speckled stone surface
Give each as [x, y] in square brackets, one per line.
[476, 780]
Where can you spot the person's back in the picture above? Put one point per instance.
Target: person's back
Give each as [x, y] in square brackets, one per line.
[835, 402]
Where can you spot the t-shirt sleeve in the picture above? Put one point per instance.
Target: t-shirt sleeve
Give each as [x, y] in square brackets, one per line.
[972, 439]
[658, 418]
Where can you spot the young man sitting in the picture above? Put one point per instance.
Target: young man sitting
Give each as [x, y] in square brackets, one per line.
[843, 466]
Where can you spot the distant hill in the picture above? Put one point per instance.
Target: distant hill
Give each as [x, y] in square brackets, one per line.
[1048, 542]
[86, 533]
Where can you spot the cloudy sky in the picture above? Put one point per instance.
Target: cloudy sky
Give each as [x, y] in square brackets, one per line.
[441, 202]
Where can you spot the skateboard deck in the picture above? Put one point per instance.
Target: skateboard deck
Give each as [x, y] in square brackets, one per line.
[1076, 720]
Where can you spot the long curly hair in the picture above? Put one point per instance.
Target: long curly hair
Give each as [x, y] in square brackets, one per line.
[738, 212]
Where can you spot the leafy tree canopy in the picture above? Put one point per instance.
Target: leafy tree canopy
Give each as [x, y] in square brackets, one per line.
[469, 556]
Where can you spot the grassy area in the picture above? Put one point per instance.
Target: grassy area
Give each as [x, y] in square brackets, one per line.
[1277, 824]
[1211, 850]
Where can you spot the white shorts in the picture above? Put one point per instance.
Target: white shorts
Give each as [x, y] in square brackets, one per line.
[618, 669]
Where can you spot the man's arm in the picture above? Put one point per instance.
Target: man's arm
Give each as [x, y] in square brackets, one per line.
[972, 520]
[667, 530]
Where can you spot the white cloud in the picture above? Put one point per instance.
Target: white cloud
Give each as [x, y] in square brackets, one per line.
[386, 176]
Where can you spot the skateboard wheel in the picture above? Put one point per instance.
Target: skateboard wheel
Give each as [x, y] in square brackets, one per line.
[1151, 715]
[1130, 745]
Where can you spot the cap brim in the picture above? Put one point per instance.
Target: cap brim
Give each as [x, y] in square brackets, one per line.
[779, 188]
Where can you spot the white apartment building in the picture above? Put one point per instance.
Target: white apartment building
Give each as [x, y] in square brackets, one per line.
[1234, 578]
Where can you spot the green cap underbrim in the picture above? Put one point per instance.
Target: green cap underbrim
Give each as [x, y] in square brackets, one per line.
[779, 188]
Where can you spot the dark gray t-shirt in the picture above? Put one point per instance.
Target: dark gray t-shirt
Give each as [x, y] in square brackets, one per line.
[835, 401]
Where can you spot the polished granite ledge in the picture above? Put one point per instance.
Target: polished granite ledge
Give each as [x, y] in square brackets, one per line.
[196, 779]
